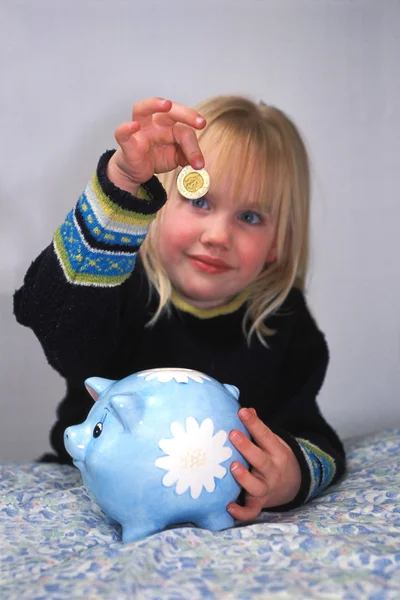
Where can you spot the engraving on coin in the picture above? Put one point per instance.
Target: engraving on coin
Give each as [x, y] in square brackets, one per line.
[193, 184]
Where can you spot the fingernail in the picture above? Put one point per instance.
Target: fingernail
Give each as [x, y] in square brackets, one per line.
[234, 436]
[198, 164]
[235, 467]
[200, 120]
[230, 509]
[245, 413]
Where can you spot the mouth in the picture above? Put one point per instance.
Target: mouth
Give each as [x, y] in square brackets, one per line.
[207, 264]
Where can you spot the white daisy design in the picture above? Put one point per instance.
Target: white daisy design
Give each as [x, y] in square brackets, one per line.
[180, 375]
[194, 456]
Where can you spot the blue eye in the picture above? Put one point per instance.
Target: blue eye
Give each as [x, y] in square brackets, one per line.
[250, 217]
[199, 202]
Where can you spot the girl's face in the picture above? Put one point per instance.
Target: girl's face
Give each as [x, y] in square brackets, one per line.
[214, 247]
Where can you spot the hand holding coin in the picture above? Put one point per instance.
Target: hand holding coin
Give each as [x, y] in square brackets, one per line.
[159, 138]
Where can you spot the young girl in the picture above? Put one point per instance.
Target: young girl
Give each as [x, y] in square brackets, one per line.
[216, 285]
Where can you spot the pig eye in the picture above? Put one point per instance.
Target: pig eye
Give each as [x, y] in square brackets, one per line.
[97, 430]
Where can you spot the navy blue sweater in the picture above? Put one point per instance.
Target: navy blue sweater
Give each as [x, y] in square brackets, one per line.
[92, 320]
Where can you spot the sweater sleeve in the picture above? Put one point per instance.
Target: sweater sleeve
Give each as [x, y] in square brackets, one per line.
[73, 294]
[299, 421]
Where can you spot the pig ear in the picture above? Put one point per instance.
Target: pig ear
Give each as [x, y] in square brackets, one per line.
[129, 408]
[96, 385]
[233, 390]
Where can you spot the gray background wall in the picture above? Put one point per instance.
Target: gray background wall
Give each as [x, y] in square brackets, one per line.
[70, 72]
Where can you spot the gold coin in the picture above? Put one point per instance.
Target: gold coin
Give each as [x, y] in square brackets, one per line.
[193, 184]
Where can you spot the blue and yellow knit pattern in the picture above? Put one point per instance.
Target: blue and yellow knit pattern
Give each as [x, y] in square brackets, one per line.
[321, 465]
[98, 241]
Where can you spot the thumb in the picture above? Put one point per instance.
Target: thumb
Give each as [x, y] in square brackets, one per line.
[124, 131]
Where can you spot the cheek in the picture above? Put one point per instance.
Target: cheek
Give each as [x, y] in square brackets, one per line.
[173, 238]
[176, 230]
[254, 255]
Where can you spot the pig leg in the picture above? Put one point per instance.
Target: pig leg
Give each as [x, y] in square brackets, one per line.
[132, 532]
[216, 522]
[110, 521]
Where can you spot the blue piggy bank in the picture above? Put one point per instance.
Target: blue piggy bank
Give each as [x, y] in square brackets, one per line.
[154, 450]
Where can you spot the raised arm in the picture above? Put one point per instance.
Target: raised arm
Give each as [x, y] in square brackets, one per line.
[74, 292]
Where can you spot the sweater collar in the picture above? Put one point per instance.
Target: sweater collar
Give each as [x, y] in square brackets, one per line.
[209, 313]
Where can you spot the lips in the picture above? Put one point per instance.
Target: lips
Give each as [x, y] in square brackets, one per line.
[208, 264]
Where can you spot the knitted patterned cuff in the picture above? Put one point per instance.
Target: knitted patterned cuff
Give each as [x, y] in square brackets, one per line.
[97, 243]
[149, 202]
[321, 466]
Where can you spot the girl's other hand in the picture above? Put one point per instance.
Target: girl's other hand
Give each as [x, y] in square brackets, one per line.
[159, 138]
[274, 478]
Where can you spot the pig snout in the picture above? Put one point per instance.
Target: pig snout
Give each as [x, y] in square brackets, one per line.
[75, 442]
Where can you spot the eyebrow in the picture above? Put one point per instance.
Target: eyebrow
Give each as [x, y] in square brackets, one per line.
[245, 204]
[253, 206]
[256, 207]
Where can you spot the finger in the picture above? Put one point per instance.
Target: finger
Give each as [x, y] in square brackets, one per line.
[144, 110]
[181, 159]
[262, 434]
[253, 485]
[182, 114]
[124, 131]
[256, 456]
[187, 140]
[246, 513]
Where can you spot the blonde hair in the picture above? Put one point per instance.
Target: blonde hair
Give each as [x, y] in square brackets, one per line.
[270, 152]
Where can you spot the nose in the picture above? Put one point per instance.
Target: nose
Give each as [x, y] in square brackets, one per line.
[217, 232]
[73, 442]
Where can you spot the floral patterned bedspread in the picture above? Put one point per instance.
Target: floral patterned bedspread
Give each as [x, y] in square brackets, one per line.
[54, 543]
